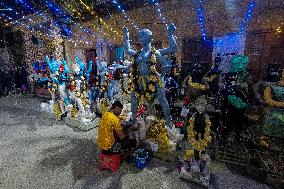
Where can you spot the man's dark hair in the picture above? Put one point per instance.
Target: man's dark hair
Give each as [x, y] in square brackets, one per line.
[117, 104]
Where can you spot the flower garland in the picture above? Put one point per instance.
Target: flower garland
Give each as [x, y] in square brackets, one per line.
[104, 86]
[52, 86]
[103, 105]
[196, 86]
[124, 91]
[201, 144]
[74, 112]
[57, 110]
[83, 95]
[269, 100]
[147, 88]
[158, 133]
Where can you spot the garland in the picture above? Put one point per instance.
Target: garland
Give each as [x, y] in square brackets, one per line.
[103, 105]
[57, 111]
[196, 86]
[124, 91]
[52, 86]
[145, 87]
[83, 95]
[269, 100]
[74, 112]
[158, 133]
[201, 144]
[104, 86]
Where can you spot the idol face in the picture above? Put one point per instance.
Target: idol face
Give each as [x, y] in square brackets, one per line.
[145, 37]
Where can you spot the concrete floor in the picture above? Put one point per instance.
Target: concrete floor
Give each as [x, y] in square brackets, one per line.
[38, 152]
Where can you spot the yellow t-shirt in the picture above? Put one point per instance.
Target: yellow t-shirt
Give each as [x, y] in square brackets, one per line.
[109, 124]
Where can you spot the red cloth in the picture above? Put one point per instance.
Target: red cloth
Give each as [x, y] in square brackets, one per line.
[109, 161]
[186, 101]
[179, 124]
[140, 111]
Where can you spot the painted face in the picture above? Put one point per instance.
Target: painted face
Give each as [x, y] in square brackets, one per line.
[145, 37]
[200, 105]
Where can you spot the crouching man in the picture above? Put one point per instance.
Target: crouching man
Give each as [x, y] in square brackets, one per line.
[112, 138]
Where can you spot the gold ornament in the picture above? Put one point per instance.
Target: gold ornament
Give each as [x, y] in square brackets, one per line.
[57, 110]
[199, 144]
[196, 86]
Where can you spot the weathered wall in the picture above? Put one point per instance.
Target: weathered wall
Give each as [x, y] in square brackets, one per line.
[221, 17]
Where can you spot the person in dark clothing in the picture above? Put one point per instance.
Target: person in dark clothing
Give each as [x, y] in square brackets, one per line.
[170, 88]
[24, 80]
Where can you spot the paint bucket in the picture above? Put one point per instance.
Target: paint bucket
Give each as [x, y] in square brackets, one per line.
[141, 158]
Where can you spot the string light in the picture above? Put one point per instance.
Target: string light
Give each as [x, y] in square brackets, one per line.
[57, 9]
[23, 17]
[119, 7]
[249, 14]
[104, 24]
[33, 30]
[278, 30]
[201, 22]
[157, 4]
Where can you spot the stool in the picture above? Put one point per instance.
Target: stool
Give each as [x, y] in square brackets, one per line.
[109, 161]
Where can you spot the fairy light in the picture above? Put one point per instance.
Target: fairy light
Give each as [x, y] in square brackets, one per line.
[279, 30]
[23, 17]
[33, 30]
[248, 16]
[201, 21]
[101, 20]
[119, 7]
[161, 15]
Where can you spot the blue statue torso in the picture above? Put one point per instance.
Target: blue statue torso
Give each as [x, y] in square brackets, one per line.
[143, 63]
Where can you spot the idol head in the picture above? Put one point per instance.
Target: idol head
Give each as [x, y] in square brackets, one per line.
[200, 104]
[117, 108]
[145, 37]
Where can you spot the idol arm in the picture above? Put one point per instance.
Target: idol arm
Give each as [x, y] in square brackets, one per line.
[172, 41]
[127, 47]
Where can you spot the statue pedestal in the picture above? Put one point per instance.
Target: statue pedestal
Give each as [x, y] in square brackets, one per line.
[197, 171]
[83, 124]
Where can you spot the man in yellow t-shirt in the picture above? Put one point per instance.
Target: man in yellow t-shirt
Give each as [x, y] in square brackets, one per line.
[111, 137]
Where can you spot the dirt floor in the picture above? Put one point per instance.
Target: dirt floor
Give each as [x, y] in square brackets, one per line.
[37, 151]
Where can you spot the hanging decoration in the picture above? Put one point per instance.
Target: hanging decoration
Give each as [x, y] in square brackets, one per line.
[201, 20]
[199, 144]
[162, 16]
[118, 5]
[108, 30]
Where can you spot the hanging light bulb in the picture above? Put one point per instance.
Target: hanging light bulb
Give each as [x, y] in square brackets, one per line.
[278, 30]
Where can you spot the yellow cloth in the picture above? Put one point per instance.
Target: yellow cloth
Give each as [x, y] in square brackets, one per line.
[109, 124]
